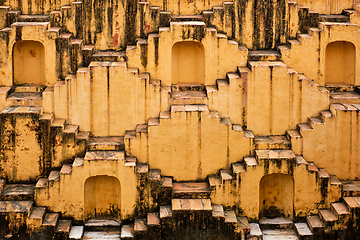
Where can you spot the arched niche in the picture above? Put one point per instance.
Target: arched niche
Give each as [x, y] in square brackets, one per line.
[188, 62]
[340, 62]
[102, 197]
[28, 63]
[277, 195]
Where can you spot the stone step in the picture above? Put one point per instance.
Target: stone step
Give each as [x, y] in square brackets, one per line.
[238, 168]
[262, 155]
[230, 217]
[36, 217]
[292, 43]
[130, 162]
[78, 162]
[189, 108]
[243, 225]
[302, 127]
[140, 225]
[106, 144]
[340, 87]
[154, 175]
[38, 213]
[264, 55]
[301, 37]
[16, 207]
[51, 220]
[66, 169]
[312, 167]
[166, 211]
[325, 115]
[280, 234]
[33, 18]
[293, 134]
[255, 231]
[54, 176]
[127, 232]
[58, 123]
[29, 88]
[214, 181]
[335, 181]
[301, 160]
[323, 173]
[273, 223]
[104, 155]
[344, 97]
[313, 121]
[76, 232]
[187, 87]
[142, 168]
[188, 97]
[191, 190]
[41, 183]
[102, 224]
[250, 162]
[63, 229]
[327, 215]
[166, 182]
[315, 223]
[272, 142]
[303, 231]
[226, 175]
[203, 204]
[186, 18]
[108, 235]
[25, 99]
[218, 211]
[153, 219]
[71, 129]
[17, 192]
[109, 55]
[339, 209]
[352, 202]
[350, 188]
[333, 18]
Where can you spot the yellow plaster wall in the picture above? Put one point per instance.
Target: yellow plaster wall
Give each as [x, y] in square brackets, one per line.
[21, 149]
[326, 6]
[314, 48]
[33, 32]
[189, 145]
[68, 194]
[307, 194]
[335, 144]
[217, 50]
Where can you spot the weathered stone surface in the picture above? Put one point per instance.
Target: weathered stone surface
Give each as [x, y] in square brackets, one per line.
[218, 211]
[191, 204]
[153, 218]
[104, 156]
[16, 206]
[51, 219]
[64, 226]
[190, 187]
[127, 231]
[76, 232]
[38, 213]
